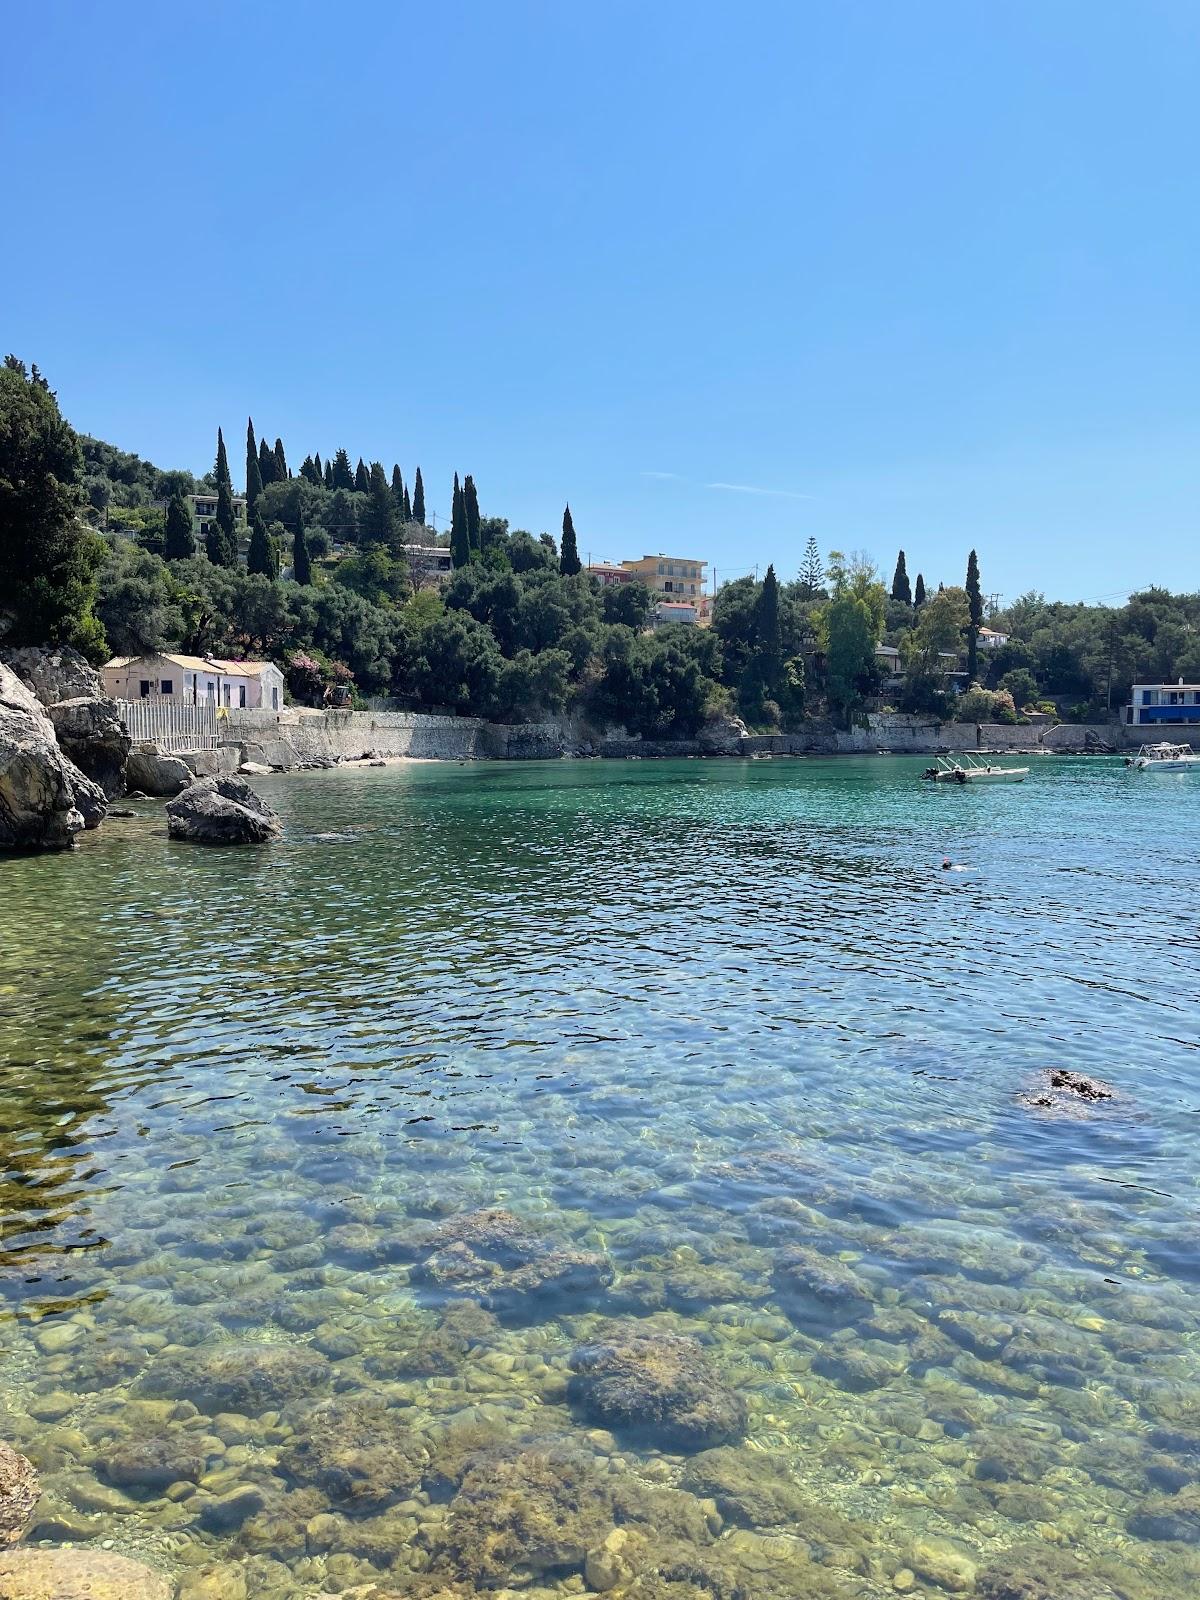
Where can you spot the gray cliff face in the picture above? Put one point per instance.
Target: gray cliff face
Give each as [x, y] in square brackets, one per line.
[44, 798]
[86, 722]
[55, 674]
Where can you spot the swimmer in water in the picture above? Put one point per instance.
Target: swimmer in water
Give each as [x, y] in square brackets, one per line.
[953, 866]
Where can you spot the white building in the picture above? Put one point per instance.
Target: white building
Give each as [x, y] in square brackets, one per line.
[195, 680]
[1164, 705]
[204, 512]
[990, 639]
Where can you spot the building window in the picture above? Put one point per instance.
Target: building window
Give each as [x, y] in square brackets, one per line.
[167, 686]
[211, 689]
[662, 567]
[145, 687]
[241, 694]
[274, 699]
[225, 693]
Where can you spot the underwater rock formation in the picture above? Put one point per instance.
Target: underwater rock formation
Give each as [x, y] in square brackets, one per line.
[155, 1462]
[250, 1378]
[18, 1494]
[660, 1386]
[360, 1455]
[819, 1291]
[494, 1256]
[68, 1574]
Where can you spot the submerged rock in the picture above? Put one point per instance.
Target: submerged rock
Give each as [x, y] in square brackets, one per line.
[155, 1462]
[221, 811]
[19, 1492]
[248, 1378]
[1040, 1572]
[819, 1290]
[495, 1257]
[1066, 1092]
[944, 1563]
[68, 1574]
[658, 1385]
[1169, 1516]
[749, 1486]
[358, 1454]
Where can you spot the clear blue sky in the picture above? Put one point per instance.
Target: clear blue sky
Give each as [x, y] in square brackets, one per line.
[913, 272]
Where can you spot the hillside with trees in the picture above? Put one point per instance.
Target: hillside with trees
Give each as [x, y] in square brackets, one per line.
[97, 550]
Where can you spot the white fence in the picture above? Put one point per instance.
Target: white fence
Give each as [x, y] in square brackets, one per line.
[173, 726]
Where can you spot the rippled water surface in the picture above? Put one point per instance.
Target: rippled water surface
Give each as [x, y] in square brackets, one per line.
[421, 1200]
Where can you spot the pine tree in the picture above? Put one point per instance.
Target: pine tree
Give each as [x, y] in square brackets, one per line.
[281, 467]
[975, 596]
[178, 543]
[253, 475]
[460, 542]
[310, 471]
[812, 573]
[418, 499]
[260, 557]
[919, 593]
[568, 556]
[362, 478]
[901, 591]
[398, 490]
[301, 565]
[343, 476]
[340, 517]
[471, 502]
[328, 474]
[378, 524]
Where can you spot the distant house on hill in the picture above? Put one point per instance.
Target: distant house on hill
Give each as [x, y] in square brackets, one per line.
[194, 680]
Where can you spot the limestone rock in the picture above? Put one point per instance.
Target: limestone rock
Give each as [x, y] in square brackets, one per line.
[661, 1385]
[722, 735]
[18, 1494]
[943, 1563]
[55, 673]
[40, 788]
[92, 735]
[78, 1575]
[151, 772]
[221, 811]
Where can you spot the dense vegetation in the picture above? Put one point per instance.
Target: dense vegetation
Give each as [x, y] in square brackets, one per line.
[96, 549]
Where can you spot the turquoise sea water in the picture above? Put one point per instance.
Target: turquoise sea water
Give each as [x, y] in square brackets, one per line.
[726, 1036]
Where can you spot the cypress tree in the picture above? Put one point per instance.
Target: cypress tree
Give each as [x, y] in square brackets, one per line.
[254, 481]
[260, 557]
[919, 593]
[900, 586]
[309, 470]
[812, 573]
[320, 477]
[266, 463]
[281, 467]
[340, 517]
[460, 542]
[418, 499]
[397, 489]
[343, 477]
[362, 479]
[178, 543]
[379, 519]
[975, 596]
[328, 474]
[406, 510]
[568, 558]
[221, 541]
[471, 503]
[301, 565]
[222, 469]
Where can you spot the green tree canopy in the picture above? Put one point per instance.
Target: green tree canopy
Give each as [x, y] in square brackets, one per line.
[178, 541]
[460, 542]
[261, 557]
[418, 498]
[975, 618]
[362, 478]
[301, 565]
[568, 556]
[471, 507]
[48, 558]
[901, 591]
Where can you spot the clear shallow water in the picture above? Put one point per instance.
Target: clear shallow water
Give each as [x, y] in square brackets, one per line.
[711, 1027]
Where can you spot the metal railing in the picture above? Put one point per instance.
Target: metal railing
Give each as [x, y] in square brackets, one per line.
[172, 725]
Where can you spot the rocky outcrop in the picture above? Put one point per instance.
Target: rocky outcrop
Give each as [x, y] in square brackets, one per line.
[70, 1574]
[149, 771]
[92, 735]
[221, 811]
[44, 798]
[656, 1385]
[55, 674]
[18, 1494]
[722, 735]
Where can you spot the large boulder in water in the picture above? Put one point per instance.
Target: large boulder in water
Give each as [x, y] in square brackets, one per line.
[221, 811]
[44, 798]
[70, 1574]
[92, 734]
[360, 1455]
[149, 771]
[661, 1386]
[18, 1494]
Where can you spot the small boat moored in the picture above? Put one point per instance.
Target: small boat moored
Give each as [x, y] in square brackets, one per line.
[971, 770]
[1164, 758]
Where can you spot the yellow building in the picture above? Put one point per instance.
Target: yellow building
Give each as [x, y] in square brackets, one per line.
[676, 584]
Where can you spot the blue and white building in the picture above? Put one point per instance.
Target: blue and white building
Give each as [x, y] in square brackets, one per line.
[1164, 705]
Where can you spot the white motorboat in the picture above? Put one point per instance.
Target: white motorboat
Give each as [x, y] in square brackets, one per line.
[971, 770]
[1164, 758]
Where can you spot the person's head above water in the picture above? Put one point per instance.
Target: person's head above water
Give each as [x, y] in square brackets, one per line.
[946, 863]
